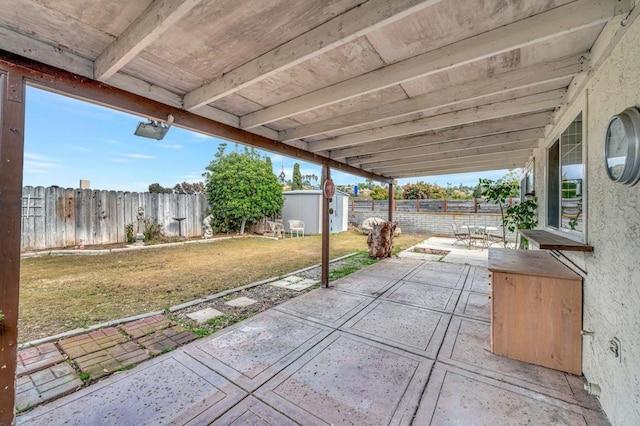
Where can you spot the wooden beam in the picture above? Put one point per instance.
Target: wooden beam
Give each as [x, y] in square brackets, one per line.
[468, 168]
[151, 24]
[531, 76]
[12, 111]
[93, 91]
[368, 16]
[501, 152]
[544, 26]
[547, 101]
[490, 127]
[449, 146]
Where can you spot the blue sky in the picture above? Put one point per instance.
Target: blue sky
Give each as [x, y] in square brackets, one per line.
[67, 140]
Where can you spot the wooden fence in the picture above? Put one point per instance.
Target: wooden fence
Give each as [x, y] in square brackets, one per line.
[57, 217]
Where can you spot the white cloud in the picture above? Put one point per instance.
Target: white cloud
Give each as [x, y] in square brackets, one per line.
[139, 156]
[172, 146]
[39, 164]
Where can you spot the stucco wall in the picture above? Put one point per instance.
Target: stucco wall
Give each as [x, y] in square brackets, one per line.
[612, 284]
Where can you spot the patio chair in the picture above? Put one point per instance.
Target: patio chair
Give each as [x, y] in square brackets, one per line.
[276, 228]
[296, 226]
[461, 236]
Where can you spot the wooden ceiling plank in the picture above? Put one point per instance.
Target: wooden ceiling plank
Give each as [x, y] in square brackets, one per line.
[547, 25]
[490, 127]
[475, 89]
[28, 47]
[151, 24]
[342, 29]
[448, 146]
[518, 158]
[467, 168]
[546, 101]
[471, 154]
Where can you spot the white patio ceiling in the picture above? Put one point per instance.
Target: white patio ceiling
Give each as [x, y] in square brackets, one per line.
[399, 88]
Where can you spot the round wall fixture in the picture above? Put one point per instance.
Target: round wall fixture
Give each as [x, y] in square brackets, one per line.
[622, 147]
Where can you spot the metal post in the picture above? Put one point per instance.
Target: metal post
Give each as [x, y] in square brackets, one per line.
[12, 91]
[325, 232]
[390, 214]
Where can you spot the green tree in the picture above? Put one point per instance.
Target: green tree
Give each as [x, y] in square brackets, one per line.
[189, 188]
[422, 190]
[379, 193]
[241, 189]
[498, 192]
[296, 182]
[156, 188]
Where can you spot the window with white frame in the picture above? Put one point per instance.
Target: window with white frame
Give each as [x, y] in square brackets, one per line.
[565, 177]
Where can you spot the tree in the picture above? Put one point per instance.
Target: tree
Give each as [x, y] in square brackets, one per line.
[422, 190]
[156, 188]
[498, 192]
[189, 188]
[241, 189]
[297, 178]
[380, 193]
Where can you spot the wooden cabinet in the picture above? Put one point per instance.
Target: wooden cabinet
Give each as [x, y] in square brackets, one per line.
[536, 309]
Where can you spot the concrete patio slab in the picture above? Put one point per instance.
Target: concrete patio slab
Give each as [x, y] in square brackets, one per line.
[146, 326]
[413, 329]
[467, 345]
[252, 412]
[167, 339]
[474, 305]
[95, 341]
[240, 302]
[326, 306]
[450, 268]
[364, 283]
[204, 315]
[106, 361]
[349, 380]
[424, 296]
[469, 257]
[434, 277]
[392, 268]
[251, 352]
[37, 358]
[294, 282]
[172, 389]
[455, 396]
[478, 280]
[45, 385]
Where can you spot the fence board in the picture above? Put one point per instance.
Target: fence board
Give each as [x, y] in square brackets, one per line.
[70, 217]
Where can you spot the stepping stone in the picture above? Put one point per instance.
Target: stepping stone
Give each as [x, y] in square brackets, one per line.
[294, 283]
[37, 358]
[107, 361]
[45, 385]
[146, 326]
[167, 339]
[204, 314]
[240, 302]
[95, 341]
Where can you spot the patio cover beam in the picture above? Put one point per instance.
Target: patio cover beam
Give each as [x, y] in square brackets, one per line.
[466, 168]
[490, 127]
[547, 101]
[520, 78]
[12, 110]
[73, 85]
[149, 26]
[362, 19]
[522, 149]
[547, 25]
[460, 146]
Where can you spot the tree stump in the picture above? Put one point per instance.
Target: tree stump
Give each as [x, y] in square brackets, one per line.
[380, 239]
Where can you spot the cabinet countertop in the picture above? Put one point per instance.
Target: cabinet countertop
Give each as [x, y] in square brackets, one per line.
[529, 262]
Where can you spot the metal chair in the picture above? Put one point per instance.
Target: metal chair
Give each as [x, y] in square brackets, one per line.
[296, 226]
[461, 236]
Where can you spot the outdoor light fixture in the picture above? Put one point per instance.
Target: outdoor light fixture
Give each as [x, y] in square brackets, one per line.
[154, 129]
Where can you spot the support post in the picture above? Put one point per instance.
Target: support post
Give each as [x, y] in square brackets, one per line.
[390, 214]
[12, 110]
[325, 232]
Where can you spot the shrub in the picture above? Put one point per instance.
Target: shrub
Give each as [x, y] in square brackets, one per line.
[130, 235]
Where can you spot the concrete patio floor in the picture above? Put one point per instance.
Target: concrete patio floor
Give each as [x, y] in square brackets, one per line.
[404, 341]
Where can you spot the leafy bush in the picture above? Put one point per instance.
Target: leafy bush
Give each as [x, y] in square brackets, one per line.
[130, 235]
[153, 232]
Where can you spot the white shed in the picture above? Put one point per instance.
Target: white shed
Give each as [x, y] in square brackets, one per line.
[306, 205]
